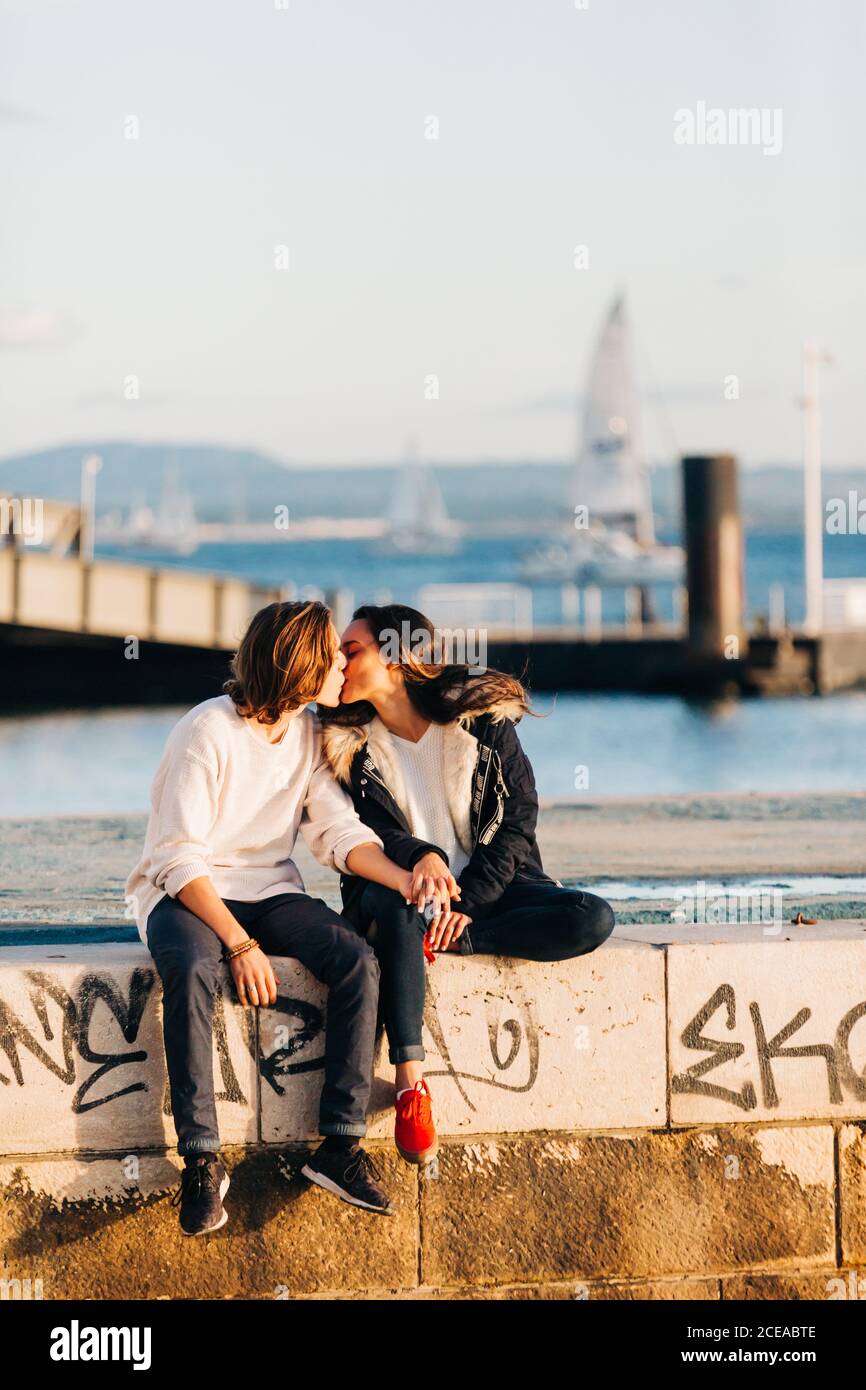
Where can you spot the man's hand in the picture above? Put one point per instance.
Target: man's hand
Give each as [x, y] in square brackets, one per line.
[432, 878]
[447, 928]
[254, 978]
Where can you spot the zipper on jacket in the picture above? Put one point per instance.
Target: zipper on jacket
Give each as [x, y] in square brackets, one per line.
[369, 770]
[485, 835]
[479, 787]
[493, 825]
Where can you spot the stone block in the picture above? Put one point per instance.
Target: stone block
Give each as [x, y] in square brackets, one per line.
[852, 1196]
[512, 1046]
[82, 1063]
[99, 1228]
[535, 1209]
[767, 1029]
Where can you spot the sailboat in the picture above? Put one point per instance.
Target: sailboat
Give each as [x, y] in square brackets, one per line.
[173, 526]
[418, 522]
[612, 539]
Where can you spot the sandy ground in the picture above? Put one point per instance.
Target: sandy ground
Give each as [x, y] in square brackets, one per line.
[707, 835]
[73, 869]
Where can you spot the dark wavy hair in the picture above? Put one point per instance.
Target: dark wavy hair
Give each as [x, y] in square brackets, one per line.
[440, 691]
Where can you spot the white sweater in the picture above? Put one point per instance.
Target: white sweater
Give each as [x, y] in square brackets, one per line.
[423, 767]
[228, 804]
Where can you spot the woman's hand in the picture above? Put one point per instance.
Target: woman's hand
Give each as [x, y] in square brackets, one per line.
[432, 878]
[254, 978]
[447, 928]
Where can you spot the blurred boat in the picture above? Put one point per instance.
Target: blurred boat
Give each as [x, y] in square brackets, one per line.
[418, 521]
[173, 526]
[612, 539]
[599, 556]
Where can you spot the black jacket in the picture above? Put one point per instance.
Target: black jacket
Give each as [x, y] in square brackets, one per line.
[502, 814]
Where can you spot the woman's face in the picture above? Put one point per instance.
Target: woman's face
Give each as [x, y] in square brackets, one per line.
[367, 673]
[333, 683]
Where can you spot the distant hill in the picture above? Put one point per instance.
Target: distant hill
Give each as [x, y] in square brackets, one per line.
[243, 485]
[221, 481]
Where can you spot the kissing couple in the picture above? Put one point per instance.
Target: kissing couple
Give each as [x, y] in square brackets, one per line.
[409, 781]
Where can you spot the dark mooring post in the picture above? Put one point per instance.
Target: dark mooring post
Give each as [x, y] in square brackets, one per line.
[714, 547]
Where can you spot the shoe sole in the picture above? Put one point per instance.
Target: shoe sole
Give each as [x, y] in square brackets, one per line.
[421, 1157]
[224, 1187]
[321, 1181]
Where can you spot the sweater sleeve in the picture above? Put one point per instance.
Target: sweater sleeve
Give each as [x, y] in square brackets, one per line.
[187, 809]
[330, 825]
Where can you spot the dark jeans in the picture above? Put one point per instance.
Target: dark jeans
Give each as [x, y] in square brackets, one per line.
[188, 958]
[533, 921]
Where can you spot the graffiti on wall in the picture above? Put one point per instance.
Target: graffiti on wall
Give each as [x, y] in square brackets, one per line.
[837, 1066]
[61, 1047]
[59, 1033]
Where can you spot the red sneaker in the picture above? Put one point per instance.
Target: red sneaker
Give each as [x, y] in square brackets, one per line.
[414, 1131]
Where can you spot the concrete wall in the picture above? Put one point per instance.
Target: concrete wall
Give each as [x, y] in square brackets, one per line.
[111, 599]
[661, 1119]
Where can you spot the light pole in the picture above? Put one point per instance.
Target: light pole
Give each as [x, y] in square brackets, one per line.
[813, 498]
[89, 469]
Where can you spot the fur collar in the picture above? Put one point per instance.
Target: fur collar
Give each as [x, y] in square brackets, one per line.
[341, 745]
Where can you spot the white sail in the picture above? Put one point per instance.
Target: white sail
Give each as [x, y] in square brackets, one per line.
[418, 518]
[407, 508]
[611, 478]
[175, 522]
[613, 543]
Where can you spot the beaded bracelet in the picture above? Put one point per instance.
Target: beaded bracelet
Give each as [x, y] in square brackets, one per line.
[239, 950]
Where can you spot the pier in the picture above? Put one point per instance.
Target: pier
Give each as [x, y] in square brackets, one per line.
[85, 632]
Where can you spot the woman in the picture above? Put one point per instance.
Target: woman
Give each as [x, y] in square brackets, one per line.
[240, 776]
[431, 757]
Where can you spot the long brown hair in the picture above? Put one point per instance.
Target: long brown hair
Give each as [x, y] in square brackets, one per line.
[440, 691]
[282, 661]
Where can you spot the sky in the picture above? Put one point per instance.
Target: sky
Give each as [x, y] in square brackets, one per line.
[156, 158]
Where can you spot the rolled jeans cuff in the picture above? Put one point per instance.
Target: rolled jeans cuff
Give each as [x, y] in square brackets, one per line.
[413, 1053]
[465, 943]
[335, 1127]
[197, 1146]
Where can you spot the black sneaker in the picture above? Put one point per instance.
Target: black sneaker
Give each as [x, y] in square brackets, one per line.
[203, 1184]
[351, 1175]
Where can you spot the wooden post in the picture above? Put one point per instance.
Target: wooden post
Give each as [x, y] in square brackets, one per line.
[86, 572]
[592, 618]
[570, 604]
[633, 608]
[153, 605]
[714, 544]
[218, 592]
[17, 559]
